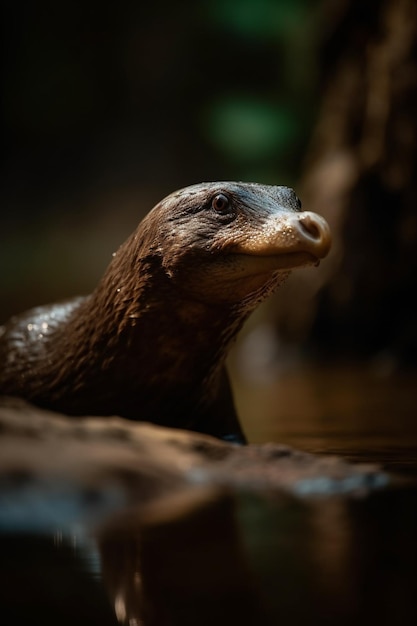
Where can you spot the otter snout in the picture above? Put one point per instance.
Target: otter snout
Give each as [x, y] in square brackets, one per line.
[291, 237]
[313, 232]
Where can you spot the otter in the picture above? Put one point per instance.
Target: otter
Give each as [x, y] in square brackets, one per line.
[150, 342]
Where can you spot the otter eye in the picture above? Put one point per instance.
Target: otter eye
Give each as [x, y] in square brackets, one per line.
[221, 203]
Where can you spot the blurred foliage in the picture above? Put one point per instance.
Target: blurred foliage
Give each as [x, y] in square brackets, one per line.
[260, 119]
[260, 19]
[250, 130]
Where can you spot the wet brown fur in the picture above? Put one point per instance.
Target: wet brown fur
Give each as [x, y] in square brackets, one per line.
[150, 342]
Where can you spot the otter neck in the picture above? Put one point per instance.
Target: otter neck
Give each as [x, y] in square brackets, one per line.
[142, 332]
[158, 333]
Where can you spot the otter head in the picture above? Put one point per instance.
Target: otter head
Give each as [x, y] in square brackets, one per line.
[233, 243]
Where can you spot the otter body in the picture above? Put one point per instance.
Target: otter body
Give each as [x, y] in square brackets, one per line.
[150, 342]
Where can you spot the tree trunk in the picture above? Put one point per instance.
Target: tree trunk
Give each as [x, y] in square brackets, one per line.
[361, 174]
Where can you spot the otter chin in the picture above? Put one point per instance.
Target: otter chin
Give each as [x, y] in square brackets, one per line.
[150, 342]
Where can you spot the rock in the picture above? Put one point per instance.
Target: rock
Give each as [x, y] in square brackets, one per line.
[65, 469]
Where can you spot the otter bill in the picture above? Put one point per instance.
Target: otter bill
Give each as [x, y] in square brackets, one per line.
[150, 342]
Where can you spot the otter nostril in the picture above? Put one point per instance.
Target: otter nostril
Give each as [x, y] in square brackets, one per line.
[310, 226]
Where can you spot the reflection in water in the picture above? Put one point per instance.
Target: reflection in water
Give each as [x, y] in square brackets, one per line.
[47, 581]
[333, 548]
[212, 557]
[182, 563]
[262, 560]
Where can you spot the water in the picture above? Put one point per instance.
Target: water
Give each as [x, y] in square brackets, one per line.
[360, 412]
[241, 557]
[238, 560]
